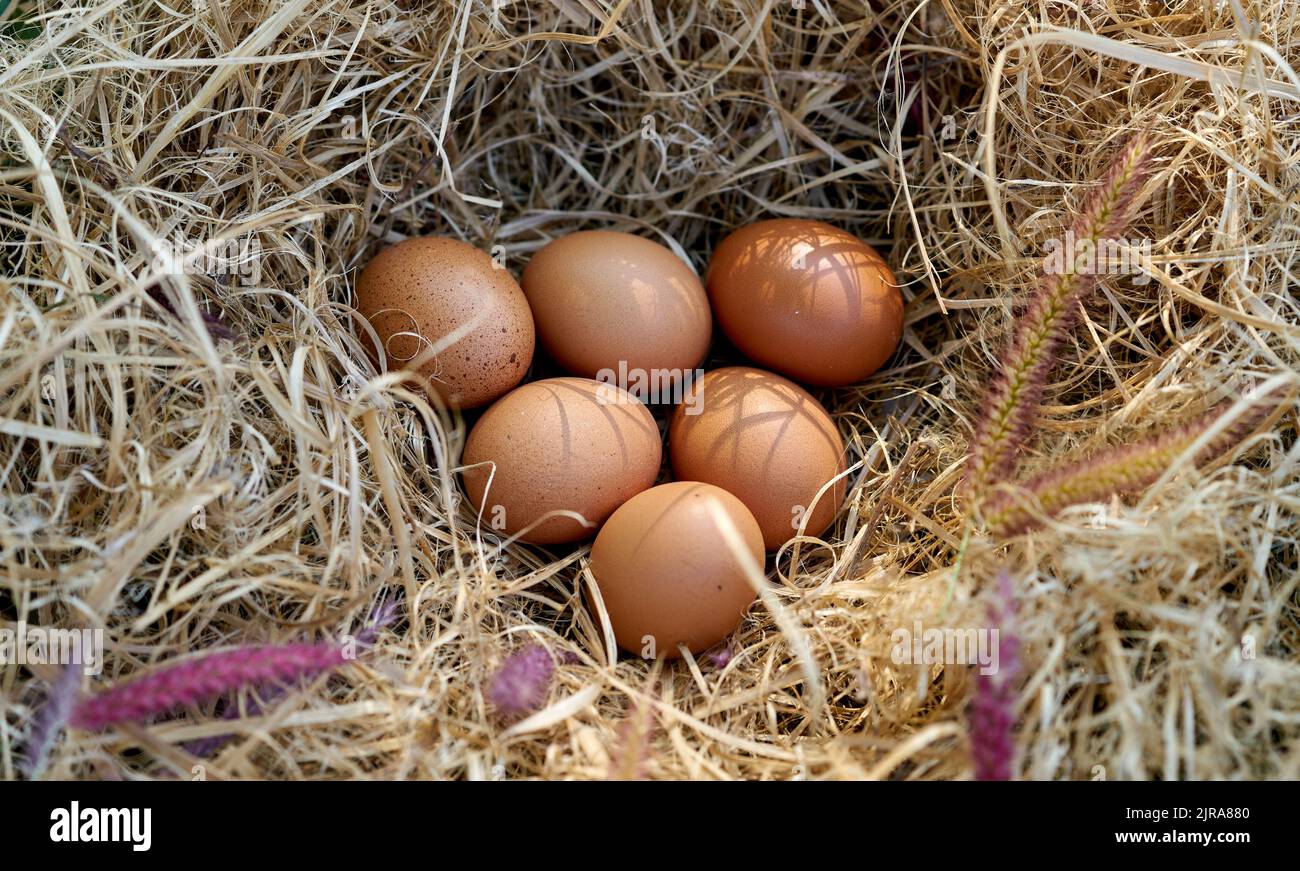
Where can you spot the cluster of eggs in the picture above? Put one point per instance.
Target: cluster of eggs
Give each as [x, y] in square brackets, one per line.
[754, 456]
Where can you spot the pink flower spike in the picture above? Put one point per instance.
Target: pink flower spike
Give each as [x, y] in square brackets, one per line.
[1111, 472]
[186, 683]
[383, 615]
[51, 719]
[992, 712]
[520, 684]
[1012, 401]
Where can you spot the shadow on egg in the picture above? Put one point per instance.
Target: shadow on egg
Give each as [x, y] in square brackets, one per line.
[768, 441]
[568, 444]
[806, 299]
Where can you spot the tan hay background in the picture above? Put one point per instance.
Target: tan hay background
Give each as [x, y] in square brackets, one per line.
[323, 128]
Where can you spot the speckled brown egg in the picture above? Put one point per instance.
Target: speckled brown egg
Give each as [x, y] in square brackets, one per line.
[765, 440]
[807, 299]
[562, 444]
[601, 299]
[666, 573]
[442, 308]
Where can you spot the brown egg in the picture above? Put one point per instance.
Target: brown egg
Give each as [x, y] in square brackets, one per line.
[424, 292]
[667, 575]
[603, 299]
[806, 299]
[765, 440]
[561, 444]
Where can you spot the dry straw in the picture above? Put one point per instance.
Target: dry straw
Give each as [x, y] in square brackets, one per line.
[188, 492]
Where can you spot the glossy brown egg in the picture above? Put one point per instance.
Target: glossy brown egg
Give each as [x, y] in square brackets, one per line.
[442, 308]
[563, 444]
[765, 440]
[807, 299]
[601, 299]
[666, 573]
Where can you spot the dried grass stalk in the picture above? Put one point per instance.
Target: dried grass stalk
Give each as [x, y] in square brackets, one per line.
[1124, 469]
[1012, 402]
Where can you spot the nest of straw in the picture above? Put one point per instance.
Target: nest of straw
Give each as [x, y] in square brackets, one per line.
[186, 490]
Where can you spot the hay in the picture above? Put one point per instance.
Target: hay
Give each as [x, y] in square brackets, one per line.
[186, 492]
